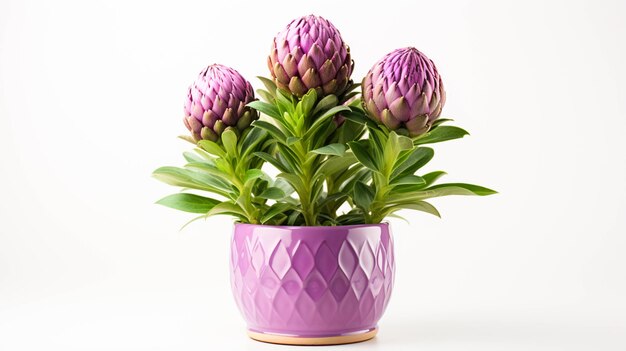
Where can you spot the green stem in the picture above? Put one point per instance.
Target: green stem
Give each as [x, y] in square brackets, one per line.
[245, 195]
[381, 182]
[306, 201]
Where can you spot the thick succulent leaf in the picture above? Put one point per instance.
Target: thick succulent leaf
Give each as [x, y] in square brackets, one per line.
[441, 133]
[189, 202]
[331, 149]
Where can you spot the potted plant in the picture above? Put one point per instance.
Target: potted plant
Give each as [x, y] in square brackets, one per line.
[312, 261]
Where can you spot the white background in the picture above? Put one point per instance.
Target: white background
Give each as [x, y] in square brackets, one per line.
[91, 97]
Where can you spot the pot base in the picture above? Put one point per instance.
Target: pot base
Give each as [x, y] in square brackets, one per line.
[324, 340]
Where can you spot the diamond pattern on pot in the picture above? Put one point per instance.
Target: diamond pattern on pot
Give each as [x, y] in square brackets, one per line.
[294, 282]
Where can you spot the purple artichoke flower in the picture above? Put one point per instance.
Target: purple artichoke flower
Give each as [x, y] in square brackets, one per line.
[404, 90]
[217, 100]
[310, 54]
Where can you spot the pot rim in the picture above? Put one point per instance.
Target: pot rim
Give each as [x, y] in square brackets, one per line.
[305, 227]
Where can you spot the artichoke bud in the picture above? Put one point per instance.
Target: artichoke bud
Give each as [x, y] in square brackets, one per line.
[310, 54]
[217, 100]
[404, 91]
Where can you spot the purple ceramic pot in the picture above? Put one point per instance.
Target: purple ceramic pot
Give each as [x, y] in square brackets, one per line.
[309, 284]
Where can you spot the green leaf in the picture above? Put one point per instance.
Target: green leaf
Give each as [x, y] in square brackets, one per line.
[272, 193]
[271, 129]
[288, 158]
[307, 102]
[274, 210]
[440, 121]
[292, 140]
[294, 216]
[404, 143]
[441, 133]
[284, 100]
[189, 202]
[294, 181]
[283, 185]
[327, 102]
[227, 208]
[271, 160]
[269, 84]
[193, 157]
[192, 220]
[265, 95]
[415, 160]
[251, 139]
[417, 206]
[332, 149]
[229, 140]
[319, 121]
[467, 189]
[409, 180]
[212, 147]
[209, 169]
[363, 195]
[265, 108]
[363, 155]
[440, 190]
[432, 177]
[253, 174]
[188, 179]
[334, 165]
[359, 117]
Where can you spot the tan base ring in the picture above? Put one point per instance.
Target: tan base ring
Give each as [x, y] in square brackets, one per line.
[325, 340]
